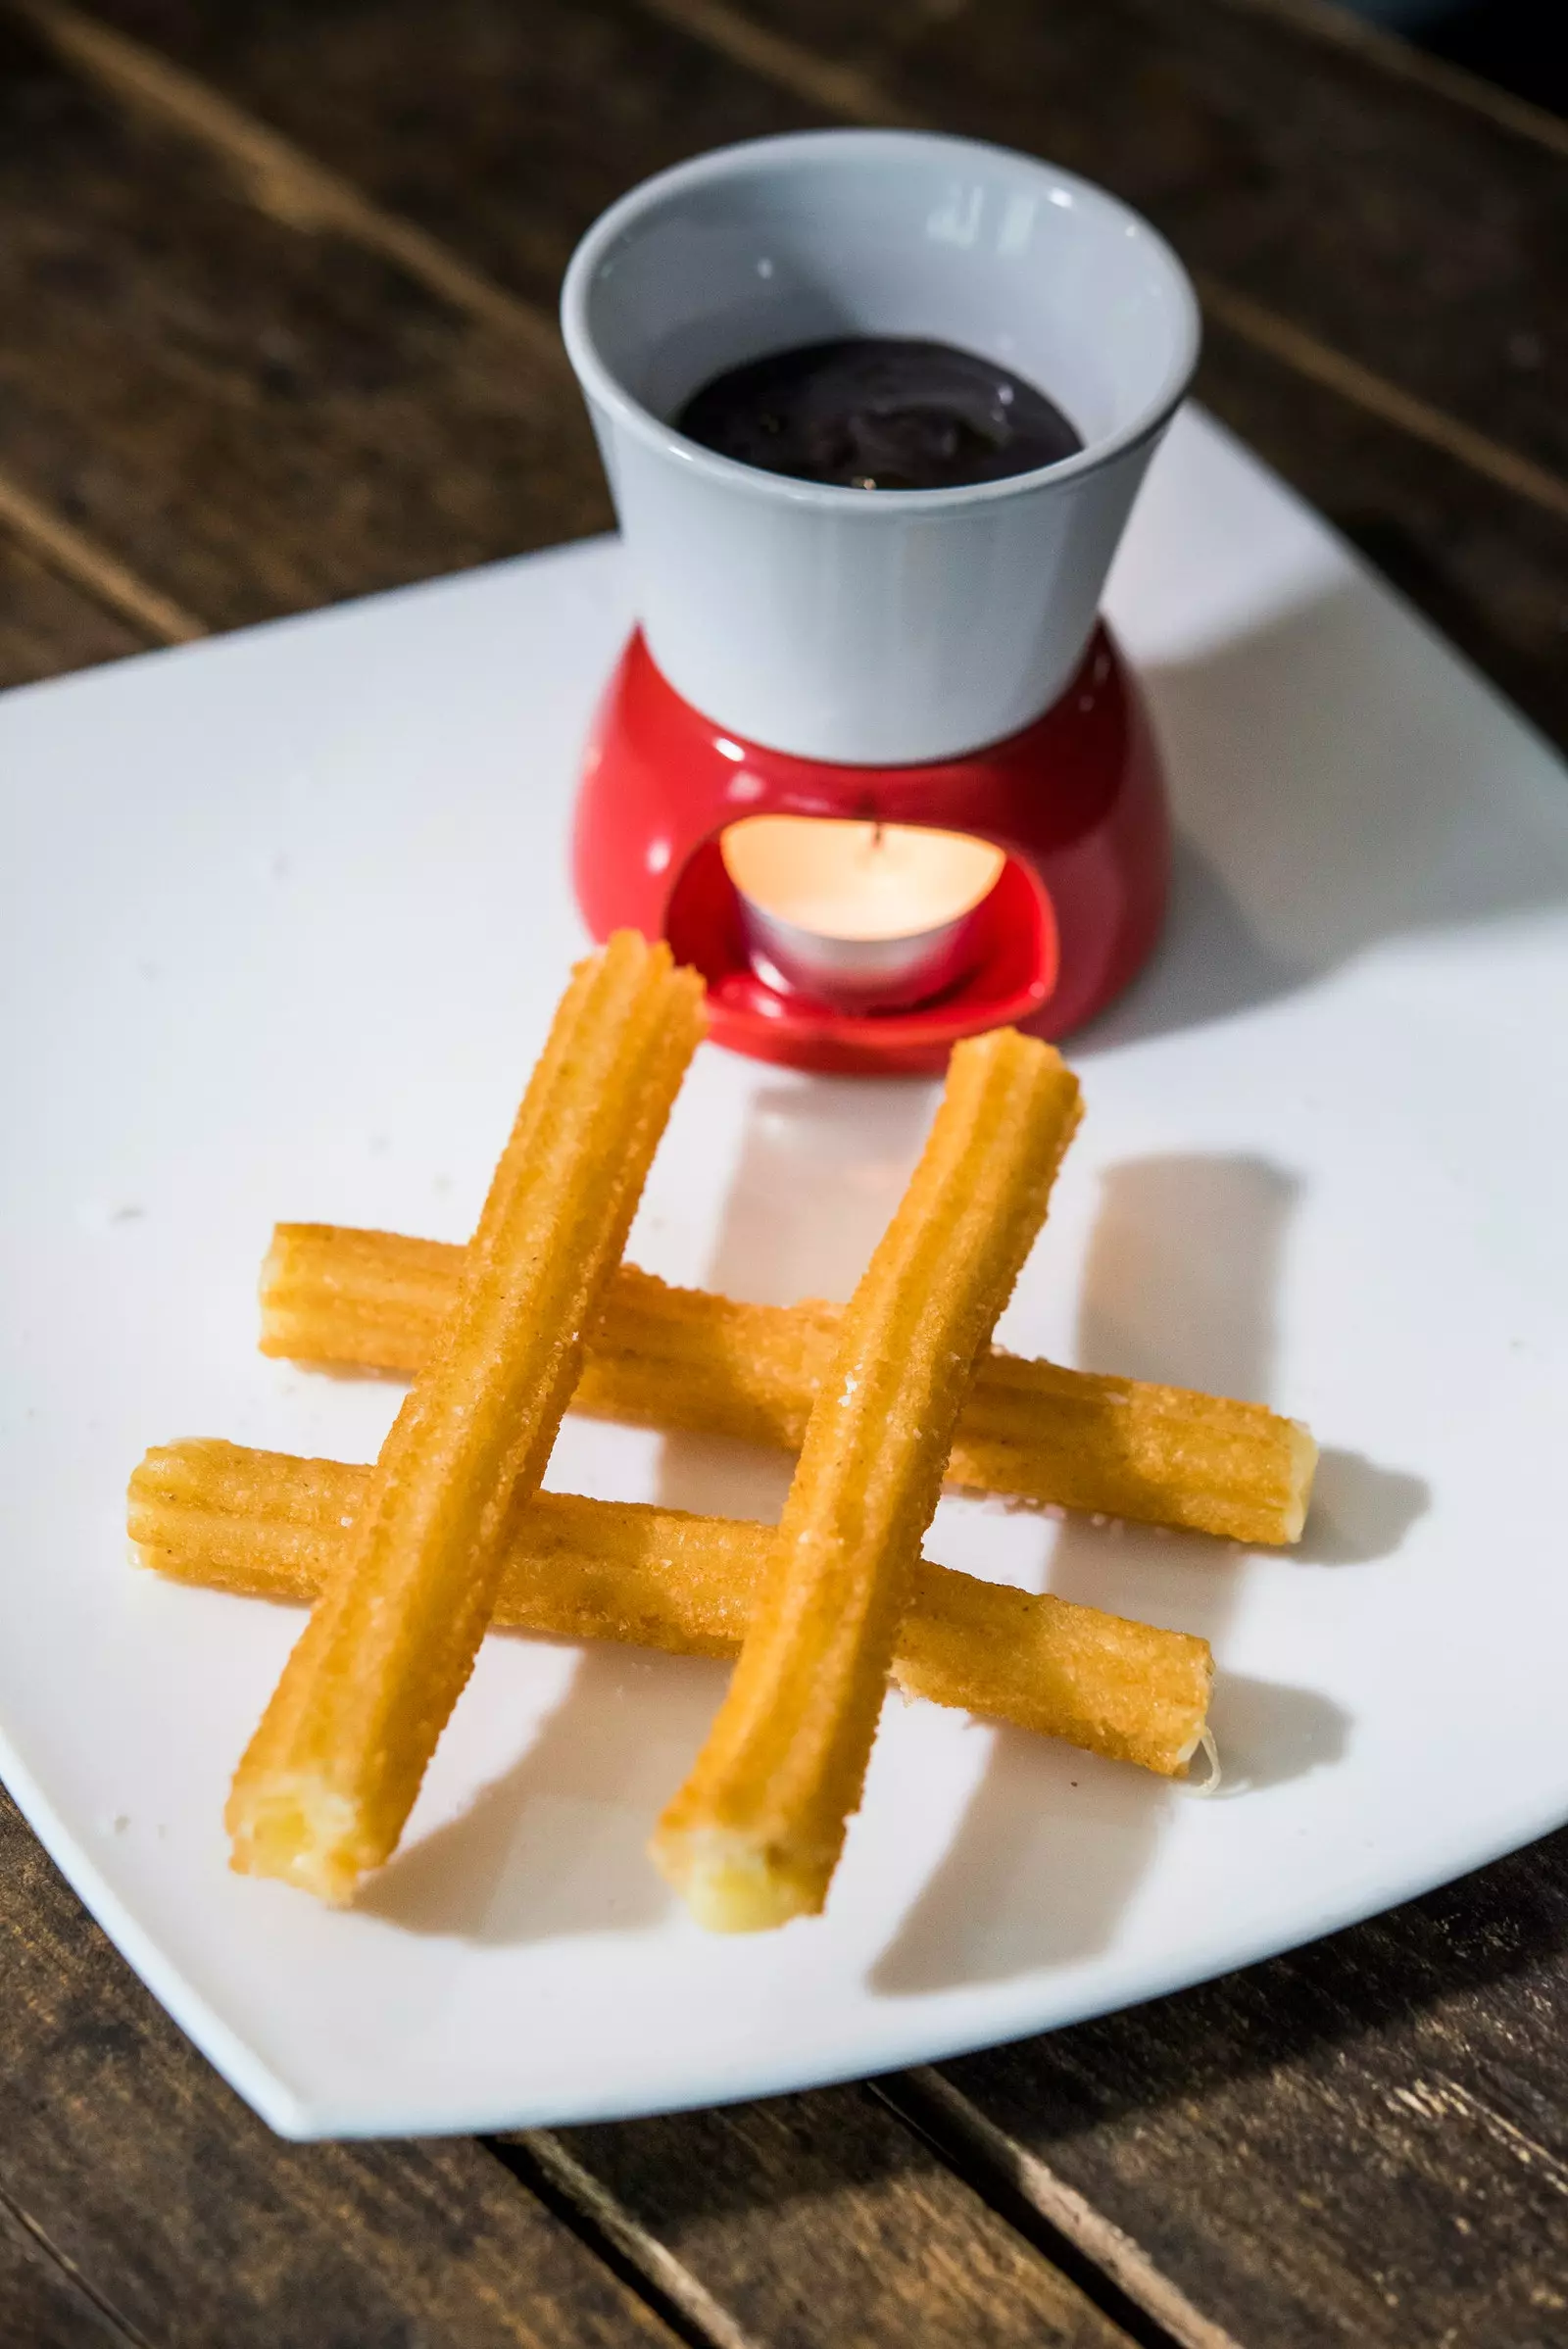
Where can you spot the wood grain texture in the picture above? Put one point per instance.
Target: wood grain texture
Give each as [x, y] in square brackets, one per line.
[1405, 228]
[814, 2221]
[1365, 2142]
[257, 417]
[805, 2221]
[73, 555]
[1490, 571]
[475, 122]
[502, 129]
[278, 176]
[47, 624]
[182, 2213]
[1389, 57]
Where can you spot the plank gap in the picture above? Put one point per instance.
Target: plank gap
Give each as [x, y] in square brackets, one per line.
[280, 179]
[72, 2275]
[50, 625]
[1107, 2267]
[824, 81]
[81, 559]
[1334, 25]
[1362, 387]
[540, 2161]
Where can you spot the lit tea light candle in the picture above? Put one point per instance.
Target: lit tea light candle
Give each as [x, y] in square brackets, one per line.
[865, 916]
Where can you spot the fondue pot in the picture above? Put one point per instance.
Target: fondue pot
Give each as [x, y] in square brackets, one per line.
[876, 663]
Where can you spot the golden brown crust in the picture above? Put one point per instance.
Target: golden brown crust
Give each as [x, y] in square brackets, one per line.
[754, 1835]
[270, 1526]
[681, 1358]
[331, 1773]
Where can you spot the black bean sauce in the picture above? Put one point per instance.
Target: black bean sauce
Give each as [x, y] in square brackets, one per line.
[878, 412]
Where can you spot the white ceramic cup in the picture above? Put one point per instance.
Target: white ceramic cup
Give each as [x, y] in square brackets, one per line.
[873, 628]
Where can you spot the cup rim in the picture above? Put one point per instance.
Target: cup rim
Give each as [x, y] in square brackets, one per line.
[607, 391]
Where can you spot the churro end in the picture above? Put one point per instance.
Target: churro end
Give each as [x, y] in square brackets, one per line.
[1304, 1467]
[734, 1886]
[266, 1290]
[302, 1834]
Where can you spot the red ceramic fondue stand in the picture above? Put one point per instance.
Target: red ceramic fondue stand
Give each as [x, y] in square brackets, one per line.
[1075, 801]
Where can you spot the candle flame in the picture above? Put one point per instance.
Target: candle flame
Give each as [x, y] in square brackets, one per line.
[865, 879]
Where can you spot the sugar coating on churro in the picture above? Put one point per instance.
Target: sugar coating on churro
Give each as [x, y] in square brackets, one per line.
[754, 1835]
[681, 1358]
[324, 1787]
[271, 1526]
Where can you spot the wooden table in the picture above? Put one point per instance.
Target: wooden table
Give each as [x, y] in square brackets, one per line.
[278, 284]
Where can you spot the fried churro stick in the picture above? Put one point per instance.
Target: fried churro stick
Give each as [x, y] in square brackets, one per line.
[681, 1358]
[332, 1773]
[271, 1526]
[754, 1835]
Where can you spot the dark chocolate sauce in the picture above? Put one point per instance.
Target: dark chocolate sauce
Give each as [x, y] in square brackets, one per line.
[877, 412]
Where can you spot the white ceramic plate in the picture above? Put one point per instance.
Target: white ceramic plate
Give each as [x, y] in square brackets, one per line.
[283, 918]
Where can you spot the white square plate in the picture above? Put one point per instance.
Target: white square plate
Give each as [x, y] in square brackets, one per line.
[284, 918]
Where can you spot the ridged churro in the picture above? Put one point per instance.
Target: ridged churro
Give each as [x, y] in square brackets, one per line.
[331, 1773]
[271, 1526]
[754, 1835]
[681, 1358]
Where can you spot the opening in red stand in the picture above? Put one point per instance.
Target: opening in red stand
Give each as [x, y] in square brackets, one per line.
[1011, 959]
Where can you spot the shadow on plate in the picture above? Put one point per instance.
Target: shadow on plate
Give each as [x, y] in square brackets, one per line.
[1471, 1965]
[1049, 1851]
[557, 1843]
[821, 1166]
[834, 1144]
[1359, 1511]
[1183, 1269]
[1183, 1265]
[1053, 1845]
[715, 1477]
[1180, 1283]
[1268, 1732]
[1337, 785]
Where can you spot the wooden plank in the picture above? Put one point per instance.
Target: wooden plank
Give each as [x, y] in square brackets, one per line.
[47, 624]
[475, 120]
[1488, 571]
[73, 555]
[42, 2306]
[1056, 79]
[859, 91]
[179, 2210]
[812, 2222]
[502, 131]
[1329, 22]
[258, 417]
[805, 2221]
[1491, 572]
[1365, 2142]
[664, 112]
[1404, 227]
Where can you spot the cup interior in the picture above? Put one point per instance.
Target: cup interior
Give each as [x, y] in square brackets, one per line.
[801, 240]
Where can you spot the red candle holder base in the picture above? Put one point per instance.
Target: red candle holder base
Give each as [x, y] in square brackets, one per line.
[1076, 801]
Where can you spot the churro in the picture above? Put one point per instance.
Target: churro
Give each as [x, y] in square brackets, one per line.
[754, 1835]
[270, 1526]
[681, 1358]
[323, 1792]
